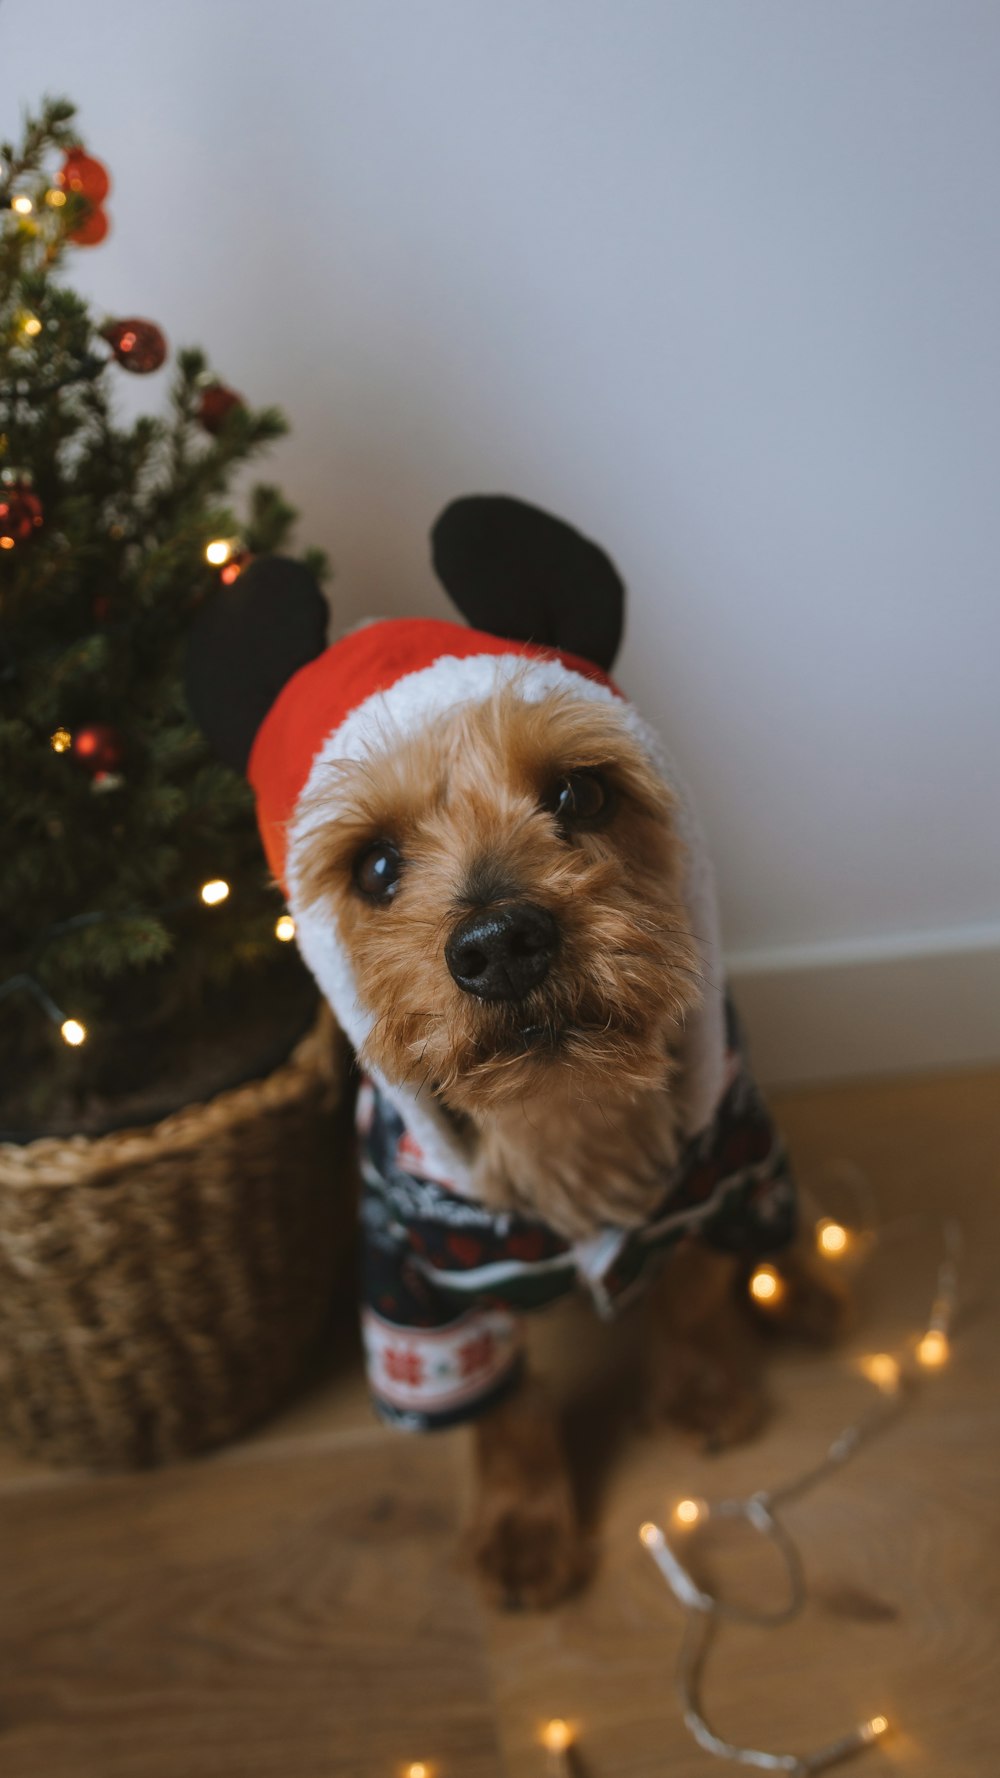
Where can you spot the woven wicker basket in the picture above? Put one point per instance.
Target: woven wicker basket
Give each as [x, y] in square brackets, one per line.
[160, 1288]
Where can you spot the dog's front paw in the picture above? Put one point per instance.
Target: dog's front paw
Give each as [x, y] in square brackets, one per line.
[704, 1394]
[529, 1550]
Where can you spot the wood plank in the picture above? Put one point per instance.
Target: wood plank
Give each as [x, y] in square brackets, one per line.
[291, 1615]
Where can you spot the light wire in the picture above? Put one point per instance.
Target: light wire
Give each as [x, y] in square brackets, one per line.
[705, 1611]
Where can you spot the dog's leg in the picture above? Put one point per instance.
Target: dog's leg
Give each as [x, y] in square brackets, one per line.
[704, 1369]
[525, 1536]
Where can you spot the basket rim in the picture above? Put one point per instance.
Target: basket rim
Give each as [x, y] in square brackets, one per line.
[68, 1161]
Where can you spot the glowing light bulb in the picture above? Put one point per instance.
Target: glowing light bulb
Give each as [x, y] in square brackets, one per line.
[214, 892]
[874, 1728]
[557, 1735]
[55, 198]
[73, 1032]
[60, 740]
[31, 326]
[766, 1286]
[650, 1534]
[832, 1238]
[22, 204]
[933, 1349]
[418, 1768]
[284, 928]
[218, 551]
[6, 542]
[882, 1370]
[687, 1512]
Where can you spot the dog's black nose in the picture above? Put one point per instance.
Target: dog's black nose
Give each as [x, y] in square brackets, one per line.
[502, 953]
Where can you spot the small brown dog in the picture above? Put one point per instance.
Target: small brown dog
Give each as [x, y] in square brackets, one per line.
[501, 888]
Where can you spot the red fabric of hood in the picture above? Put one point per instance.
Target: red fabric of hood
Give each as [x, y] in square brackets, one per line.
[322, 694]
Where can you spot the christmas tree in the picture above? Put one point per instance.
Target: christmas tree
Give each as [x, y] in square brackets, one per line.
[135, 909]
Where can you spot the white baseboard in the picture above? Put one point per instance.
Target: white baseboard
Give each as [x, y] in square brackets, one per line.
[888, 1006]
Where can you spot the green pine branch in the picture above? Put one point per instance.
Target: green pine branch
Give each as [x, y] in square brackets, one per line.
[99, 893]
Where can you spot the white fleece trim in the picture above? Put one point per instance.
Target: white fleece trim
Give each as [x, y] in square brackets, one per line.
[388, 719]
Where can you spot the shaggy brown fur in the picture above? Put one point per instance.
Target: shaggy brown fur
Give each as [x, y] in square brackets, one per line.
[575, 1123]
[525, 1536]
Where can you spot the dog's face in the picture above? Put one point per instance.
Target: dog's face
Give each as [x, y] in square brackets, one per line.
[506, 886]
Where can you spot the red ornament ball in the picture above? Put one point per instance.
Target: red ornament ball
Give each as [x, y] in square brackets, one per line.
[216, 404]
[98, 747]
[138, 345]
[82, 174]
[91, 230]
[21, 514]
[231, 570]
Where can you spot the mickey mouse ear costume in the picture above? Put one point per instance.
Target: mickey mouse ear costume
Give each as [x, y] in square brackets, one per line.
[544, 604]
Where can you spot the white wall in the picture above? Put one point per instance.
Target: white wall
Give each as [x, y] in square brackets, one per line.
[718, 279]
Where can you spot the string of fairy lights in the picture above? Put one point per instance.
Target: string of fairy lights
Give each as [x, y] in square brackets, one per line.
[72, 1030]
[894, 1376]
[96, 745]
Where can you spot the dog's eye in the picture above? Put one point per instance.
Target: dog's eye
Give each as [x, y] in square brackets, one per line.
[583, 799]
[378, 870]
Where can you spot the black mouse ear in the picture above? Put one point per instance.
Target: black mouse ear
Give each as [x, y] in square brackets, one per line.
[245, 645]
[517, 572]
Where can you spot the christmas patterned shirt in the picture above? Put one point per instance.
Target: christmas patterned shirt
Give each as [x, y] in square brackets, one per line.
[446, 1279]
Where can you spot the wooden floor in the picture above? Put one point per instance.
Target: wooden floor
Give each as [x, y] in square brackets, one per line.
[293, 1607]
